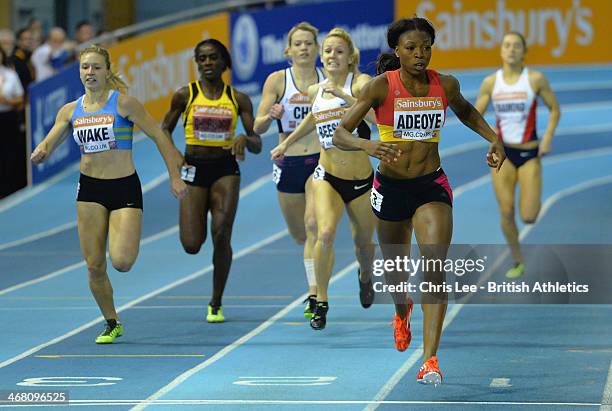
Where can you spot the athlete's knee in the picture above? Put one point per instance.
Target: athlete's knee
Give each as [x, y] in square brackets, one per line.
[123, 260]
[298, 235]
[191, 245]
[506, 212]
[96, 271]
[122, 264]
[222, 234]
[326, 236]
[530, 216]
[310, 223]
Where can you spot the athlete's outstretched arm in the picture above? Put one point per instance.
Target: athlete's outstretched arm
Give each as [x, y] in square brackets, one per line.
[551, 102]
[469, 116]
[251, 141]
[269, 110]
[177, 107]
[484, 96]
[131, 108]
[371, 95]
[57, 134]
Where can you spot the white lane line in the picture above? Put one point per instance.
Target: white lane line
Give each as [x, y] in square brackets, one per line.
[39, 235]
[388, 387]
[229, 348]
[409, 363]
[192, 276]
[147, 240]
[444, 153]
[28, 193]
[146, 188]
[556, 197]
[606, 400]
[562, 132]
[309, 402]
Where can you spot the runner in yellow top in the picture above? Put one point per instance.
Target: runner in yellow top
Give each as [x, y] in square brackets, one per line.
[209, 109]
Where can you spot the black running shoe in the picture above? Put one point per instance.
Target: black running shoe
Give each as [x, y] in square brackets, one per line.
[311, 304]
[366, 291]
[319, 319]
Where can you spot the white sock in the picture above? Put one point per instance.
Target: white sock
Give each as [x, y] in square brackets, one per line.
[310, 272]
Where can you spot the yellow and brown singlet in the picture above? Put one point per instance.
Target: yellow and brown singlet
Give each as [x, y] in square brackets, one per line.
[209, 122]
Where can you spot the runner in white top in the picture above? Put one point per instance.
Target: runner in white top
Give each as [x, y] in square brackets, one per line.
[284, 99]
[514, 90]
[343, 178]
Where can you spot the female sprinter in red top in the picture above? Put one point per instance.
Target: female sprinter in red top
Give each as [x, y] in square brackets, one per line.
[410, 188]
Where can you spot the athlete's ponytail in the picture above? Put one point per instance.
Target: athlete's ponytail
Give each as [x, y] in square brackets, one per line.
[387, 62]
[115, 82]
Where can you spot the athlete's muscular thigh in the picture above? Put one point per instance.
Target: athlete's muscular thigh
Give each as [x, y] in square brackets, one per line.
[223, 203]
[530, 186]
[362, 219]
[92, 223]
[293, 206]
[504, 185]
[124, 237]
[193, 209]
[433, 223]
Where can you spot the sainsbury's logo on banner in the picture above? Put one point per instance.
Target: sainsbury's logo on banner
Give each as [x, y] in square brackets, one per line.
[469, 33]
[464, 27]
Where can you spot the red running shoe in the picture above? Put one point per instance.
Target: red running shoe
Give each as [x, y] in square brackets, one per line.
[430, 372]
[401, 329]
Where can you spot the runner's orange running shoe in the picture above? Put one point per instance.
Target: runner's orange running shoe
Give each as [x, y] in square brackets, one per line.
[430, 372]
[401, 329]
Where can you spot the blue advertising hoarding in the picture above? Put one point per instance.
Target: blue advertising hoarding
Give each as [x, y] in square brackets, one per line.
[259, 38]
[46, 99]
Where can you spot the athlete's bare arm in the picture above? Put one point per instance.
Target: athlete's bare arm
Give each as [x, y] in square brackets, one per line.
[177, 107]
[469, 116]
[542, 88]
[358, 86]
[269, 109]
[484, 96]
[372, 94]
[56, 135]
[130, 108]
[252, 141]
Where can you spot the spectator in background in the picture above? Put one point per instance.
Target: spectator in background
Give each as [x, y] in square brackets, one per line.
[21, 58]
[83, 32]
[35, 27]
[21, 62]
[7, 41]
[51, 56]
[11, 98]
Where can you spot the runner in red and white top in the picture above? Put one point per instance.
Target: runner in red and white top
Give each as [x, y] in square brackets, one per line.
[514, 90]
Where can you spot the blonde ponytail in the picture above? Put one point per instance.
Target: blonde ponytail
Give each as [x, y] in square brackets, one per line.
[115, 82]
